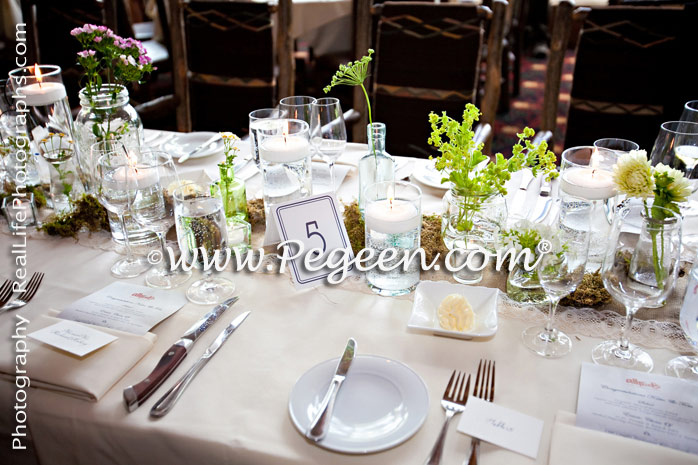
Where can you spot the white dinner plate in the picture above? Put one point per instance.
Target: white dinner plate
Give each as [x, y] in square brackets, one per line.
[381, 404]
[426, 173]
[429, 295]
[182, 144]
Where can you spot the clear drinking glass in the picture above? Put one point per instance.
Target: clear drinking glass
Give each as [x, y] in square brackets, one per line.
[639, 270]
[298, 107]
[560, 270]
[266, 120]
[115, 179]
[203, 239]
[393, 220]
[328, 132]
[677, 146]
[687, 366]
[690, 112]
[153, 208]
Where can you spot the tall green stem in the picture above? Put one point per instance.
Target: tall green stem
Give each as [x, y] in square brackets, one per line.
[370, 119]
[658, 271]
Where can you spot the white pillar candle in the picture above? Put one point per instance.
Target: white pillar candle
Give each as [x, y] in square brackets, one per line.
[284, 149]
[392, 216]
[45, 93]
[588, 183]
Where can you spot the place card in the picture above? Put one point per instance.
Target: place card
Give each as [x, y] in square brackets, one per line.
[317, 224]
[126, 307]
[501, 426]
[653, 408]
[72, 337]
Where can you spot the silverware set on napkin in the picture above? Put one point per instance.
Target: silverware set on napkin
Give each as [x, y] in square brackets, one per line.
[453, 402]
[544, 202]
[137, 394]
[24, 295]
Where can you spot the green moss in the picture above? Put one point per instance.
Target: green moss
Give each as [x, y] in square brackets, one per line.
[88, 213]
[255, 211]
[354, 226]
[590, 293]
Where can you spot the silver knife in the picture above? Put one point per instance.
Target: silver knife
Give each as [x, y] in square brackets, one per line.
[136, 394]
[517, 205]
[167, 401]
[319, 426]
[542, 206]
[210, 141]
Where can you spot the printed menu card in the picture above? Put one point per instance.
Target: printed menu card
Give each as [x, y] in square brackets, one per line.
[125, 307]
[649, 407]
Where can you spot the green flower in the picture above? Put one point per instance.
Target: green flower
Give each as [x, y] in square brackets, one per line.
[633, 174]
[671, 183]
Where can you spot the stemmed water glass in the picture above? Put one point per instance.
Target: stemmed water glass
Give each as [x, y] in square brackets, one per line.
[328, 132]
[677, 146]
[560, 270]
[639, 270]
[153, 208]
[203, 238]
[690, 111]
[113, 183]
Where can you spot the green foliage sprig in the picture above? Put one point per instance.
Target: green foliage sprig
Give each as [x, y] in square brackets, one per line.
[354, 74]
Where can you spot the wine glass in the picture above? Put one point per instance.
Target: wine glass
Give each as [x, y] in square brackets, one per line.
[560, 270]
[202, 236]
[153, 208]
[639, 270]
[113, 182]
[677, 146]
[619, 146]
[298, 107]
[687, 366]
[690, 112]
[328, 131]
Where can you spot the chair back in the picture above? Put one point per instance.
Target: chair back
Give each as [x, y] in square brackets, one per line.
[427, 59]
[631, 73]
[228, 65]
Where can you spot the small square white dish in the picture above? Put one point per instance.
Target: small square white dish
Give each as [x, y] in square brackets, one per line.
[429, 295]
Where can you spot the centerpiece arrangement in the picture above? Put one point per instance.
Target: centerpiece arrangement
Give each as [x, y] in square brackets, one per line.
[474, 208]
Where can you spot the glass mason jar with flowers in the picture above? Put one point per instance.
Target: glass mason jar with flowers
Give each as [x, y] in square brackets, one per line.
[474, 208]
[110, 63]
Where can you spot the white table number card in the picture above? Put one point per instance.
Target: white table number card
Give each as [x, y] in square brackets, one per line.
[653, 408]
[316, 223]
[73, 337]
[501, 426]
[126, 307]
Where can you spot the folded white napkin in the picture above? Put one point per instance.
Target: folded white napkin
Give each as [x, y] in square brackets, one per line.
[572, 445]
[88, 377]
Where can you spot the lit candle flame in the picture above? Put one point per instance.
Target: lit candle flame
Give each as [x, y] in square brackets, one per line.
[596, 158]
[391, 195]
[285, 131]
[37, 74]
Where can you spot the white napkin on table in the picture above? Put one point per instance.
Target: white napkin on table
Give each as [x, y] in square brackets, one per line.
[88, 377]
[572, 445]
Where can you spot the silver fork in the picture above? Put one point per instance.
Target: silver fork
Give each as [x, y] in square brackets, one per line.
[484, 389]
[5, 291]
[453, 402]
[24, 298]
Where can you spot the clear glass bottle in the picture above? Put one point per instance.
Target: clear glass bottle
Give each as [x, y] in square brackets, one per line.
[376, 165]
[107, 114]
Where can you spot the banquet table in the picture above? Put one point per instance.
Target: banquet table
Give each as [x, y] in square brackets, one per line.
[236, 410]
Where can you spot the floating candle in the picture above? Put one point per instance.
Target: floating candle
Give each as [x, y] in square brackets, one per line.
[284, 149]
[392, 216]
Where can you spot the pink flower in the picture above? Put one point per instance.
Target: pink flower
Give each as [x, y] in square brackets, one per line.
[76, 31]
[86, 53]
[98, 39]
[144, 59]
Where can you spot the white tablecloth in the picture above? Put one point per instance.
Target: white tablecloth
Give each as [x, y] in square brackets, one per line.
[236, 411]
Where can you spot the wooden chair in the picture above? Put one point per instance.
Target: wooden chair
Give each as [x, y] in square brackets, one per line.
[224, 62]
[632, 72]
[428, 59]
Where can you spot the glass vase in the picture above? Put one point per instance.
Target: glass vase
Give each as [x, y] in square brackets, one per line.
[106, 114]
[66, 187]
[376, 165]
[233, 194]
[470, 222]
[524, 286]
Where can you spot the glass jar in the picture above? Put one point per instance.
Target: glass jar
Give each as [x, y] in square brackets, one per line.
[233, 194]
[376, 165]
[524, 286]
[107, 115]
[66, 187]
[466, 217]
